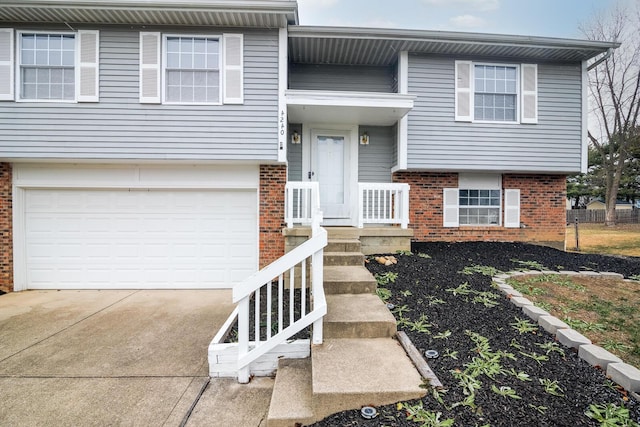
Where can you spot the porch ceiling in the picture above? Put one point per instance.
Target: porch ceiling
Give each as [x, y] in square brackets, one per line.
[363, 108]
[373, 46]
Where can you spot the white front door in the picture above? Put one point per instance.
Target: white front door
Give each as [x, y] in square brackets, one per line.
[330, 165]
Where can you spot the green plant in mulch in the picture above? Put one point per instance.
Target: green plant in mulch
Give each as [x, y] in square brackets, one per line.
[539, 358]
[505, 391]
[551, 387]
[610, 415]
[386, 278]
[425, 256]
[425, 418]
[383, 293]
[421, 325]
[485, 270]
[522, 376]
[540, 408]
[443, 335]
[404, 252]
[488, 299]
[400, 310]
[523, 326]
[551, 347]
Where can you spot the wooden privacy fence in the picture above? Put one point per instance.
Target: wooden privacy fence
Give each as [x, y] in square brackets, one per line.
[597, 215]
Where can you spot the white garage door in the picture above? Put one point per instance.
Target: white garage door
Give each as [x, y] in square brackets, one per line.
[139, 238]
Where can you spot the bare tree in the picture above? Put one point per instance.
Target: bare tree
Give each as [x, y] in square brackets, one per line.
[614, 88]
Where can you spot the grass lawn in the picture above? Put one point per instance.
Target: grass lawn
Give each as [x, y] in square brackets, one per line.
[603, 310]
[622, 239]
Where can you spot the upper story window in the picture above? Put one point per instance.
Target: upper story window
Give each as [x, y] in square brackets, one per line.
[498, 93]
[495, 93]
[192, 70]
[38, 66]
[47, 66]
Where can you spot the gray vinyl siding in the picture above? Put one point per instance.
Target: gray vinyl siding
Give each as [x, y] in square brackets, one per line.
[119, 127]
[437, 142]
[341, 78]
[294, 155]
[376, 159]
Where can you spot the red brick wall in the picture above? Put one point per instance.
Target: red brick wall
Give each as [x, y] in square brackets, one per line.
[542, 209]
[6, 235]
[272, 182]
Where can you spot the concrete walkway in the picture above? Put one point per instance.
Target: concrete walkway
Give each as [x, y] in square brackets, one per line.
[118, 358]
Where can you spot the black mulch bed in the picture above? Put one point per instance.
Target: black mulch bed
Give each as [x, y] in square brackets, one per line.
[428, 280]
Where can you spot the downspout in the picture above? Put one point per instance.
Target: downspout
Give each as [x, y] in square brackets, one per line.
[601, 59]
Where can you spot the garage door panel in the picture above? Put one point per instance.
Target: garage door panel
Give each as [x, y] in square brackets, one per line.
[140, 239]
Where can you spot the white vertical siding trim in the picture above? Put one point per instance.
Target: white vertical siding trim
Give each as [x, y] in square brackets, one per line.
[7, 83]
[233, 62]
[403, 127]
[529, 93]
[87, 71]
[150, 67]
[283, 71]
[584, 151]
[450, 207]
[19, 243]
[463, 91]
[511, 208]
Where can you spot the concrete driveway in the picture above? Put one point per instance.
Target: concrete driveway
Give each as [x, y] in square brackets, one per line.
[115, 358]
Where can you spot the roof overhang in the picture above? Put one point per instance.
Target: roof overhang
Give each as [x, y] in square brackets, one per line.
[369, 46]
[364, 108]
[233, 13]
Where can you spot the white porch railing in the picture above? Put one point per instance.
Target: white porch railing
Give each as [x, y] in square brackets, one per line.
[383, 203]
[311, 250]
[302, 199]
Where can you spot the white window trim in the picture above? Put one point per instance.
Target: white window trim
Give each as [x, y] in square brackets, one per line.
[18, 74]
[518, 92]
[163, 69]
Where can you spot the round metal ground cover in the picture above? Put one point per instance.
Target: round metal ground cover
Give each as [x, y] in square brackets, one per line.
[368, 412]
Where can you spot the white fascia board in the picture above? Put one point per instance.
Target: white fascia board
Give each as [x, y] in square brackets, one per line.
[349, 99]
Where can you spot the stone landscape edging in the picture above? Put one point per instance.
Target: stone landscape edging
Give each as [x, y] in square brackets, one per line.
[623, 374]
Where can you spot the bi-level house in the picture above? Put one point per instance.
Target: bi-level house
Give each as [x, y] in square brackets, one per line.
[190, 144]
[148, 144]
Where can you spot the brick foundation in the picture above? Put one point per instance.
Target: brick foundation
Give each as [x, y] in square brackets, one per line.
[6, 222]
[273, 179]
[542, 209]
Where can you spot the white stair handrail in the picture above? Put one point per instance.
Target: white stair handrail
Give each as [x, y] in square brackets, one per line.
[312, 250]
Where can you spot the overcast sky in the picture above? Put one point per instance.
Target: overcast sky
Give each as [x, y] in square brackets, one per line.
[550, 18]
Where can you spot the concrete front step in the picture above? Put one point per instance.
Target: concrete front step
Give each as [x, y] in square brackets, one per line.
[348, 280]
[343, 258]
[292, 394]
[343, 245]
[351, 373]
[342, 233]
[358, 316]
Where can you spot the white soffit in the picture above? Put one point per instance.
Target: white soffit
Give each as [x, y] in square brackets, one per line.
[383, 109]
